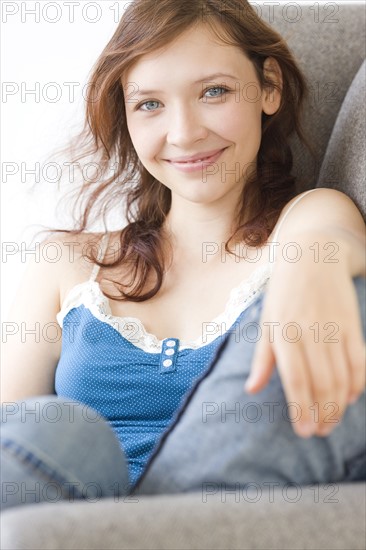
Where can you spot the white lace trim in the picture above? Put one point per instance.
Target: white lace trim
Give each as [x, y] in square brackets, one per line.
[90, 295]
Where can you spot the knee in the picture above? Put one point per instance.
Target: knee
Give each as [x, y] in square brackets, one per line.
[53, 415]
[50, 421]
[47, 408]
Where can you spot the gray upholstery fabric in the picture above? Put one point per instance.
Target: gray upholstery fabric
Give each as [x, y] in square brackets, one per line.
[344, 165]
[330, 51]
[317, 518]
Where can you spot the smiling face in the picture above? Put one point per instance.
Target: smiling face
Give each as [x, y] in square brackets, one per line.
[194, 116]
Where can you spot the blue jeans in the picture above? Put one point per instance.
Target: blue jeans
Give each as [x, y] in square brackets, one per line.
[53, 448]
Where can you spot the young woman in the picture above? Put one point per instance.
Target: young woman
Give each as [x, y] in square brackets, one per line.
[194, 103]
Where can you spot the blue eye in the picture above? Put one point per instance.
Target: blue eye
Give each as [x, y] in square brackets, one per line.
[217, 91]
[149, 106]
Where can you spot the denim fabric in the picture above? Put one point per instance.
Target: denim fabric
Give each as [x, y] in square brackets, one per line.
[222, 435]
[53, 448]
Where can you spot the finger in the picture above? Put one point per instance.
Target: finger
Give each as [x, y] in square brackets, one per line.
[335, 409]
[325, 393]
[262, 365]
[356, 351]
[356, 348]
[297, 386]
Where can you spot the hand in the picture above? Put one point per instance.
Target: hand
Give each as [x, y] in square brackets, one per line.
[316, 343]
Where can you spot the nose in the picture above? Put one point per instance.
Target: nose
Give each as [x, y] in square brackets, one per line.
[185, 127]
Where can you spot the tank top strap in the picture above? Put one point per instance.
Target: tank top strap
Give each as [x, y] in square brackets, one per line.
[274, 239]
[102, 248]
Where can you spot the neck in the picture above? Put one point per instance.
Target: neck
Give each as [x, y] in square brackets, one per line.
[196, 231]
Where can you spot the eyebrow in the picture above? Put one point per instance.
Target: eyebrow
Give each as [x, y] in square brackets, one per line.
[216, 75]
[205, 79]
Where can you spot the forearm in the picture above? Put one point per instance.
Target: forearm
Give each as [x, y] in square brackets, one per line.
[356, 244]
[329, 246]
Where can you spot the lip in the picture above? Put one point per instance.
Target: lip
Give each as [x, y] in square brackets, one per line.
[192, 163]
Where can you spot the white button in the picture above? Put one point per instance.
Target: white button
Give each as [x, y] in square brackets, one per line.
[169, 351]
[167, 362]
[171, 343]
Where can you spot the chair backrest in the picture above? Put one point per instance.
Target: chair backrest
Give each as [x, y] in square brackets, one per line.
[344, 164]
[328, 41]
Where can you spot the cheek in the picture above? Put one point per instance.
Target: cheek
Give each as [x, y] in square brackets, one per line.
[140, 134]
[240, 121]
[245, 130]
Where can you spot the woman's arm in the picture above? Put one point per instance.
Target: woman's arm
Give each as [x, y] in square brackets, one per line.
[325, 217]
[311, 320]
[31, 337]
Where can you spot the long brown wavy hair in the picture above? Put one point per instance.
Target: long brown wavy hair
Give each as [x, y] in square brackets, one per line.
[146, 26]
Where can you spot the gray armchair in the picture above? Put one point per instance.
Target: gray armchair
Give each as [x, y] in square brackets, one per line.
[330, 47]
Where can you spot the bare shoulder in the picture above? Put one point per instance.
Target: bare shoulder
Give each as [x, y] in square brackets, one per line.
[322, 207]
[28, 364]
[71, 251]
